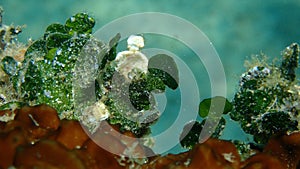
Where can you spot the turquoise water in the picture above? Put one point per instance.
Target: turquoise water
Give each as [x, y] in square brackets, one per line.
[237, 29]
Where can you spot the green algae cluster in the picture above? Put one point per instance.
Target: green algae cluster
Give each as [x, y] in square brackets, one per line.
[46, 75]
[267, 102]
[138, 111]
[266, 105]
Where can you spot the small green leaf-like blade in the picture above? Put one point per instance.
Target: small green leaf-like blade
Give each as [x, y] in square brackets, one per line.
[51, 54]
[9, 65]
[205, 105]
[80, 23]
[290, 62]
[112, 51]
[192, 131]
[39, 46]
[55, 28]
[190, 134]
[55, 40]
[164, 67]
[115, 40]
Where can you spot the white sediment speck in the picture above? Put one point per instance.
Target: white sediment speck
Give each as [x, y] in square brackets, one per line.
[47, 93]
[59, 51]
[73, 19]
[229, 157]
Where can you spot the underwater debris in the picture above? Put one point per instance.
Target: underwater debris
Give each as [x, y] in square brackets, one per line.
[267, 102]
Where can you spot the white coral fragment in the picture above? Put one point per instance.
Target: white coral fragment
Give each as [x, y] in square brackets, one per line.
[132, 61]
[134, 43]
